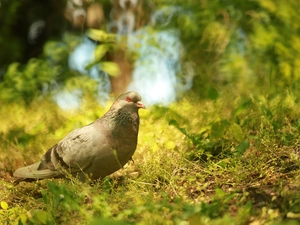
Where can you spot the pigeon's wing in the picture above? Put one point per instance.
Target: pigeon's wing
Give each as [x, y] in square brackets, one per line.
[30, 172]
[75, 152]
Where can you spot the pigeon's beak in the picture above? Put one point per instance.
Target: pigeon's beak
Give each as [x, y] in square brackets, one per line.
[141, 105]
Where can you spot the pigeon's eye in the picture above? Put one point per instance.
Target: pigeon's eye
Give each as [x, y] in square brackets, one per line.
[128, 99]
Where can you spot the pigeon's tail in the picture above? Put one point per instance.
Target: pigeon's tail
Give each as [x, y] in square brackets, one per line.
[30, 173]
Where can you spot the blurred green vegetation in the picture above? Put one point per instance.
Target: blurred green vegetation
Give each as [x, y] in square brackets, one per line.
[227, 152]
[253, 43]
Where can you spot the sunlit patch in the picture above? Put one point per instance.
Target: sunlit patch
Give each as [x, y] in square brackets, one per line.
[158, 69]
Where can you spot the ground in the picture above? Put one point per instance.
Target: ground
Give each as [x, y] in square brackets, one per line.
[233, 159]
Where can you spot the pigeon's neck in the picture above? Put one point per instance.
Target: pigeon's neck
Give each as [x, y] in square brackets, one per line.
[120, 118]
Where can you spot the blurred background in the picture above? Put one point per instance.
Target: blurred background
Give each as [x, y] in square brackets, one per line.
[71, 50]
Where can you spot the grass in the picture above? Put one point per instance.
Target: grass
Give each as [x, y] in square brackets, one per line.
[231, 160]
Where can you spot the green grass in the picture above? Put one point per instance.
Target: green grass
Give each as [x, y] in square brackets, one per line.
[231, 160]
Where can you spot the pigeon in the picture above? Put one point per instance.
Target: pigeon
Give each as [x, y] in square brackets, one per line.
[93, 151]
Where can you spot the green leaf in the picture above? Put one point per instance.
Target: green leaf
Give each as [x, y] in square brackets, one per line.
[183, 131]
[242, 108]
[237, 132]
[213, 93]
[217, 129]
[219, 193]
[111, 68]
[41, 216]
[4, 205]
[242, 147]
[101, 36]
[22, 219]
[175, 123]
[108, 222]
[100, 51]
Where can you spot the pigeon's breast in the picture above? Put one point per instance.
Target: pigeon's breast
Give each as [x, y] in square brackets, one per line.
[125, 134]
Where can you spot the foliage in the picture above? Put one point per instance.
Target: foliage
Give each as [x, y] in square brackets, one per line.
[19, 82]
[45, 77]
[255, 42]
[108, 44]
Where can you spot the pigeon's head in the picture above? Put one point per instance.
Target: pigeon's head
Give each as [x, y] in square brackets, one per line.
[130, 100]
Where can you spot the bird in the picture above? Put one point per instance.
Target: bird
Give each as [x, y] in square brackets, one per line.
[94, 151]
